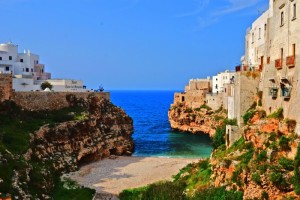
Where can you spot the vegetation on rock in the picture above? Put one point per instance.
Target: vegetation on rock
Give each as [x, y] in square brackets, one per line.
[28, 168]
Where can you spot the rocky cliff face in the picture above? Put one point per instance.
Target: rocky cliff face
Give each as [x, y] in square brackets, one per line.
[263, 163]
[199, 120]
[105, 131]
[90, 129]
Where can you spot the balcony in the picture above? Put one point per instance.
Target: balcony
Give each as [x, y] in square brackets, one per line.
[278, 64]
[273, 91]
[290, 61]
[286, 92]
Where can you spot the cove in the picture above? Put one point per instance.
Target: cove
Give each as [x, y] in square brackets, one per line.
[152, 133]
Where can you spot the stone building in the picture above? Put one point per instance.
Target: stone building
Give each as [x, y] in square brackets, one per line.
[28, 73]
[220, 80]
[194, 93]
[272, 44]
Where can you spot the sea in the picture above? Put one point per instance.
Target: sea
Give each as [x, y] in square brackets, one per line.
[153, 136]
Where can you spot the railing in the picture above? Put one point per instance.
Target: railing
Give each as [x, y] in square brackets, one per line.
[273, 91]
[278, 64]
[286, 92]
[290, 61]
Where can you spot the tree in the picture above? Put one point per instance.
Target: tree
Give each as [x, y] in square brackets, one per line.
[46, 85]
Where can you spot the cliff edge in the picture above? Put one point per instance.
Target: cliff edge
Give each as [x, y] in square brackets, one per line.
[37, 147]
[198, 120]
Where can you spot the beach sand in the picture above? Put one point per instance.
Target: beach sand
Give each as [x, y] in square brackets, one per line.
[114, 175]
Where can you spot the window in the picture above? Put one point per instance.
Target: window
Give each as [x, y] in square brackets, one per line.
[31, 70]
[6, 68]
[259, 33]
[282, 19]
[252, 38]
[21, 60]
[0, 58]
[265, 27]
[10, 57]
[281, 54]
[294, 11]
[27, 69]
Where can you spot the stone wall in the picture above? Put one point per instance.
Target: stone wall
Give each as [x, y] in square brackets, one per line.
[192, 99]
[245, 91]
[215, 101]
[6, 91]
[50, 100]
[233, 133]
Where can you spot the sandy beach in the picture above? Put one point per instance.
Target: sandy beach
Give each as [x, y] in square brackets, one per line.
[114, 175]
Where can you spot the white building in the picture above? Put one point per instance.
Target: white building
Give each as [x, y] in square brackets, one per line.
[29, 74]
[220, 80]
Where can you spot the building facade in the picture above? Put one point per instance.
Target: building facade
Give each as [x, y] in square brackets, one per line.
[275, 52]
[194, 93]
[28, 73]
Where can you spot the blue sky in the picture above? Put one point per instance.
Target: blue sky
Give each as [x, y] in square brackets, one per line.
[131, 44]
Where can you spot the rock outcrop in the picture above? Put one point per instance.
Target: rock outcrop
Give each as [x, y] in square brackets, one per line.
[88, 130]
[262, 163]
[105, 131]
[199, 120]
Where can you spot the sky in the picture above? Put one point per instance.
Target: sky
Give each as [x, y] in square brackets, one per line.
[131, 44]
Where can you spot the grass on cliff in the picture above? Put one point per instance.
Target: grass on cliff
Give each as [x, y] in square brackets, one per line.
[16, 124]
[192, 182]
[69, 189]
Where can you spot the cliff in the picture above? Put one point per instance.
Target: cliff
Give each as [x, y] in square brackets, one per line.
[198, 120]
[36, 147]
[263, 164]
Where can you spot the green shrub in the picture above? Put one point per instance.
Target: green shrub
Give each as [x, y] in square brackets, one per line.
[218, 194]
[45, 85]
[188, 110]
[284, 143]
[297, 172]
[262, 156]
[286, 163]
[232, 122]
[272, 136]
[248, 115]
[161, 190]
[264, 195]
[278, 114]
[256, 178]
[219, 137]
[205, 107]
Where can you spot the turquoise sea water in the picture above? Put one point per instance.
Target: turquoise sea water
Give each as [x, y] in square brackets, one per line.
[152, 132]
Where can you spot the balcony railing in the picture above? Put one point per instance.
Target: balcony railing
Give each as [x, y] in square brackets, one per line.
[273, 91]
[278, 64]
[286, 92]
[290, 61]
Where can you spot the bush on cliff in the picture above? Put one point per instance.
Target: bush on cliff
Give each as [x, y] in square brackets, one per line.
[248, 115]
[296, 180]
[278, 114]
[219, 137]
